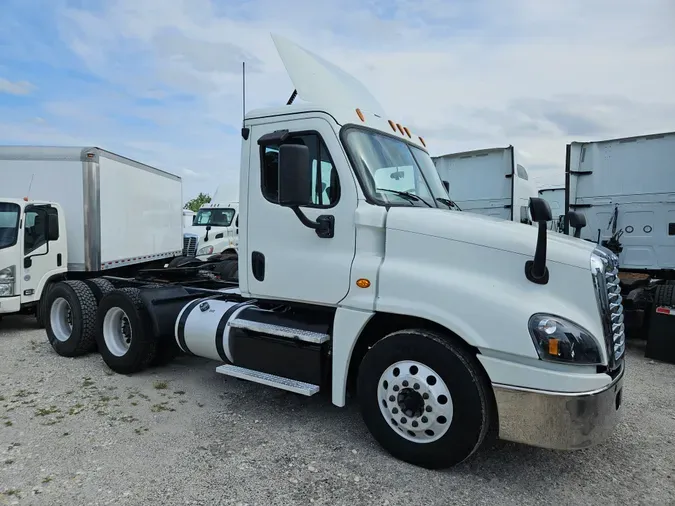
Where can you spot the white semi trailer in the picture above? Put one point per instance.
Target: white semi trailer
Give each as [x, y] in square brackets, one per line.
[450, 328]
[491, 182]
[626, 189]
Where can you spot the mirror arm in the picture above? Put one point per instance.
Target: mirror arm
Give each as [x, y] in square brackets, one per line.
[324, 226]
[304, 219]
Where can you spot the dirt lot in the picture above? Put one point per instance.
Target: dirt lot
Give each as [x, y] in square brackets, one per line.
[73, 432]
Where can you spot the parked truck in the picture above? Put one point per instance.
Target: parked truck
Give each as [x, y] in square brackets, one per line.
[214, 232]
[626, 189]
[188, 218]
[449, 328]
[555, 196]
[76, 213]
[491, 182]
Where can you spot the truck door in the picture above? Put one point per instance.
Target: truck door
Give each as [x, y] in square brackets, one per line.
[42, 250]
[286, 259]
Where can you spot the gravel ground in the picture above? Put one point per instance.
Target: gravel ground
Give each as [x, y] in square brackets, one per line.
[73, 432]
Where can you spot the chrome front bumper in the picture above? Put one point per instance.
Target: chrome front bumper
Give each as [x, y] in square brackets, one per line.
[558, 420]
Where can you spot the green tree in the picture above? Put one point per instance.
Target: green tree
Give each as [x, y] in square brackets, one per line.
[197, 202]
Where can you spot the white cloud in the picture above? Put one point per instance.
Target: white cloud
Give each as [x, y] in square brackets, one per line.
[15, 87]
[464, 75]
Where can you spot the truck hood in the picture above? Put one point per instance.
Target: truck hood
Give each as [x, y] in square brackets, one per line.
[489, 232]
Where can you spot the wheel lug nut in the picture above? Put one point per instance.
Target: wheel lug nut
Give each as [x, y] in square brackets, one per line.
[414, 424]
[392, 398]
[425, 419]
[428, 408]
[425, 396]
[416, 386]
[395, 410]
[403, 420]
[395, 388]
[405, 383]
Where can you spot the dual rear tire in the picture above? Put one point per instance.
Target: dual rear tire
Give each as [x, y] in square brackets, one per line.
[82, 317]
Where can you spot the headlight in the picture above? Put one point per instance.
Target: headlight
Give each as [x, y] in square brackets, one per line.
[559, 340]
[206, 250]
[7, 278]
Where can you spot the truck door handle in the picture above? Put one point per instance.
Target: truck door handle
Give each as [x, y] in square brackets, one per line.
[258, 265]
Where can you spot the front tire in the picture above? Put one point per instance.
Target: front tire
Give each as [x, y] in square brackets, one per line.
[70, 317]
[424, 399]
[124, 334]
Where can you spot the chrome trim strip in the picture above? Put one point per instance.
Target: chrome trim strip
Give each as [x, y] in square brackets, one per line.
[562, 394]
[91, 180]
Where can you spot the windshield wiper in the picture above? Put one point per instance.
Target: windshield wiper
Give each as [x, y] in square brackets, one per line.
[411, 196]
[448, 202]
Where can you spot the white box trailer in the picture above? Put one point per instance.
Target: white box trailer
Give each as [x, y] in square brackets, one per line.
[488, 181]
[626, 189]
[106, 212]
[555, 196]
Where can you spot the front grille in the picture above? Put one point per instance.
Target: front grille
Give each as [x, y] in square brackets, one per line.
[189, 245]
[608, 292]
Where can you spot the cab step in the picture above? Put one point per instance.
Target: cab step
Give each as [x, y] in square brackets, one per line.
[271, 380]
[272, 329]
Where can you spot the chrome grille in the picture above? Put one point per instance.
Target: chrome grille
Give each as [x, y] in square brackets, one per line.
[189, 245]
[605, 265]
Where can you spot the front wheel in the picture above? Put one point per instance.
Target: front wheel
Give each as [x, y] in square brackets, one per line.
[424, 399]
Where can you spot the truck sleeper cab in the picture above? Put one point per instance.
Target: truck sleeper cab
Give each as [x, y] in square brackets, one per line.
[354, 276]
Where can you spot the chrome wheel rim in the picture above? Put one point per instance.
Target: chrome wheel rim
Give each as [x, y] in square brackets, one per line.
[117, 332]
[415, 401]
[61, 319]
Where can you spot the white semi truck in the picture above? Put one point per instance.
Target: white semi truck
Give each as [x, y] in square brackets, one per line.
[490, 181]
[626, 189]
[449, 328]
[555, 196]
[76, 213]
[214, 231]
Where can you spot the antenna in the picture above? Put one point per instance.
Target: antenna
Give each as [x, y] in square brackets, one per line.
[244, 131]
[30, 185]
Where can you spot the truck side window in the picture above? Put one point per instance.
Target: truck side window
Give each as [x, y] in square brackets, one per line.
[34, 230]
[324, 175]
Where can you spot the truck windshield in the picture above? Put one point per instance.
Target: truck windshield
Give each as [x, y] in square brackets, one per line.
[9, 224]
[214, 217]
[393, 172]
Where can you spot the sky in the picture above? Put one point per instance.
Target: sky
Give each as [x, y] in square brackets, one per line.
[159, 81]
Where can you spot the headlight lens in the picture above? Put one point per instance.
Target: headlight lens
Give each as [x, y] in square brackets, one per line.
[560, 340]
[7, 279]
[206, 250]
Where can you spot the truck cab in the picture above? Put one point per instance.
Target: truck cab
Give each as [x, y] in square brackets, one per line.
[214, 231]
[33, 249]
